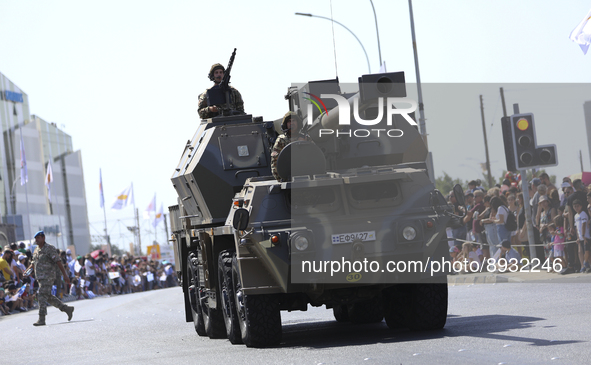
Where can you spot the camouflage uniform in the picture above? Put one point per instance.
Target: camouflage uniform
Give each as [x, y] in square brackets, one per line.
[45, 260]
[236, 104]
[282, 141]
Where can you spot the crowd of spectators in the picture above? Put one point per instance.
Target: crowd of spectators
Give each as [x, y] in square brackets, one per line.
[493, 226]
[90, 276]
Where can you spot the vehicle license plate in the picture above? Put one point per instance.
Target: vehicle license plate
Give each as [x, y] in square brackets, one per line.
[355, 236]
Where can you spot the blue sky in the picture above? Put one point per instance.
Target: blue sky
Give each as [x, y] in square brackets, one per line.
[123, 77]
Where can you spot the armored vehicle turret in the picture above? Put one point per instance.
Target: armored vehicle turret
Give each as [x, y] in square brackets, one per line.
[355, 224]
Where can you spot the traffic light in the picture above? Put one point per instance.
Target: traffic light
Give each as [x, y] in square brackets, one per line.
[527, 154]
[508, 141]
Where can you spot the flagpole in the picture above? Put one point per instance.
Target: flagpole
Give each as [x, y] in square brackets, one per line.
[105, 212]
[59, 217]
[137, 220]
[24, 157]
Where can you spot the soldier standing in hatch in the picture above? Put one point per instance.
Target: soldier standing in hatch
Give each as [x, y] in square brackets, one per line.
[45, 260]
[290, 126]
[216, 74]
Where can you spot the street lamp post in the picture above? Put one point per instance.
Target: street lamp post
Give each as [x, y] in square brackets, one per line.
[332, 20]
[377, 32]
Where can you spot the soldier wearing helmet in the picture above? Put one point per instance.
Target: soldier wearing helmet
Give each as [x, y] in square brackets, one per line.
[216, 74]
[290, 126]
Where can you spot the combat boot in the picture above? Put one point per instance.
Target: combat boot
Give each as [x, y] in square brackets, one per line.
[69, 311]
[40, 321]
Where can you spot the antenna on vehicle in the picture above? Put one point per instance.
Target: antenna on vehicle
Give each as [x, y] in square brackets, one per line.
[334, 48]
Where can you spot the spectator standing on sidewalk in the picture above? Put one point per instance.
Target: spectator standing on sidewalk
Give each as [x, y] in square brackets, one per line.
[583, 235]
[546, 181]
[458, 227]
[571, 232]
[90, 272]
[45, 260]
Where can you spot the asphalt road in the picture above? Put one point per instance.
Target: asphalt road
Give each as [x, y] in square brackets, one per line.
[509, 323]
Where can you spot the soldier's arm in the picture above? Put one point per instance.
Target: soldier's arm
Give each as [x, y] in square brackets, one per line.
[203, 109]
[239, 102]
[277, 147]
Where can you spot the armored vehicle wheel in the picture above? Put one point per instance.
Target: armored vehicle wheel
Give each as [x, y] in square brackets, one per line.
[341, 313]
[227, 297]
[259, 315]
[367, 311]
[213, 320]
[193, 281]
[428, 307]
[422, 307]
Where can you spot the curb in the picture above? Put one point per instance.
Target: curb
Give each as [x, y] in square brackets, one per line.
[481, 279]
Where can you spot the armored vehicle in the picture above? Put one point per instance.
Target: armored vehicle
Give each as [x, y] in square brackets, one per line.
[354, 195]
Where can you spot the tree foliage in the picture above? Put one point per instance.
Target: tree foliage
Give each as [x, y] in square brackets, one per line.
[446, 183]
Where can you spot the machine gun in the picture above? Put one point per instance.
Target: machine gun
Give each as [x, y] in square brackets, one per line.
[220, 95]
[226, 80]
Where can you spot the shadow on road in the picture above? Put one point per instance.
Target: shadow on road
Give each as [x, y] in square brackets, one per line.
[334, 334]
[74, 321]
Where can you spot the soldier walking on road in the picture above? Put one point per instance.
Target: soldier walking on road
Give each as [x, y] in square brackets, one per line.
[45, 260]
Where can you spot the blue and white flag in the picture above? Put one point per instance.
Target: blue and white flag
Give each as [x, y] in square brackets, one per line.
[581, 35]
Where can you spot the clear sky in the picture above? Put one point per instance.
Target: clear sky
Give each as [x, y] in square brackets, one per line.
[123, 77]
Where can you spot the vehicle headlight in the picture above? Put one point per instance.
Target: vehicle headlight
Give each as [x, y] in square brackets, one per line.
[301, 243]
[409, 233]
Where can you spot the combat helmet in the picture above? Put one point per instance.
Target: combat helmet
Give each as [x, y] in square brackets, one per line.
[288, 117]
[214, 67]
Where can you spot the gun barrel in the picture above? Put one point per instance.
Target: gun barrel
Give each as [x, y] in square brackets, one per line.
[226, 80]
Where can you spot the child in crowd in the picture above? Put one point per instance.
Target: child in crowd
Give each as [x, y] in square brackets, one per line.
[74, 291]
[556, 229]
[469, 253]
[583, 235]
[454, 251]
[3, 308]
[13, 300]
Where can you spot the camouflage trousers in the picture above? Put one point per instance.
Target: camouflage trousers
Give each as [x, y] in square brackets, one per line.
[44, 296]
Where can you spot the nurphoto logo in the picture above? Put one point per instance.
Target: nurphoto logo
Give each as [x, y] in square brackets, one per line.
[344, 110]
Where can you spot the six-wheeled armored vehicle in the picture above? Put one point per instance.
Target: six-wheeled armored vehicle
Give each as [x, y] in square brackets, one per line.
[353, 223]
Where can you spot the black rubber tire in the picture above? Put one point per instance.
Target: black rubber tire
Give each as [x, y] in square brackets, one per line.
[341, 313]
[420, 307]
[394, 304]
[193, 281]
[259, 315]
[227, 297]
[367, 311]
[213, 320]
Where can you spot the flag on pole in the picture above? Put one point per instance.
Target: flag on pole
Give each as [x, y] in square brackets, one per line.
[159, 217]
[122, 199]
[24, 174]
[49, 180]
[581, 35]
[150, 208]
[102, 197]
